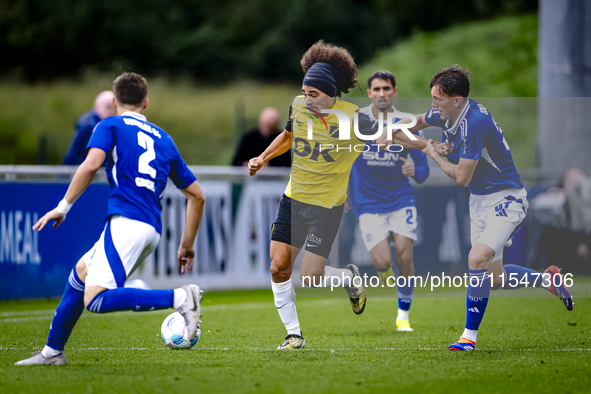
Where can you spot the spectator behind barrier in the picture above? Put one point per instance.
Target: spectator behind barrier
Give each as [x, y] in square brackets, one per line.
[103, 108]
[255, 141]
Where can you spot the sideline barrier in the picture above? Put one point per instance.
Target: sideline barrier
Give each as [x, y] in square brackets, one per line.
[232, 246]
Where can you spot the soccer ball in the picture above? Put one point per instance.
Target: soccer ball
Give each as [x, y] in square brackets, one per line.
[174, 332]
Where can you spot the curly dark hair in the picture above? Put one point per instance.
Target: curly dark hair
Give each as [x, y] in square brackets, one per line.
[452, 80]
[339, 58]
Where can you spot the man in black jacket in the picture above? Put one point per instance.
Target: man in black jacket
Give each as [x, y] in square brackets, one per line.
[255, 141]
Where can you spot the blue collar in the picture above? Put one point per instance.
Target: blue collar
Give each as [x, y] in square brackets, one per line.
[454, 129]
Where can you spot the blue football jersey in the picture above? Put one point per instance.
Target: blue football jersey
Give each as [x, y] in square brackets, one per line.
[376, 183]
[475, 135]
[140, 159]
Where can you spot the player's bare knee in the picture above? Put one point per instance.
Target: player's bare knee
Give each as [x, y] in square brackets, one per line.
[404, 257]
[279, 275]
[88, 298]
[81, 270]
[90, 293]
[280, 270]
[478, 260]
[382, 264]
[382, 259]
[477, 264]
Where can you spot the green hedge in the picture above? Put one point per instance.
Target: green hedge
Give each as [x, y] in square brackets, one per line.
[213, 41]
[205, 120]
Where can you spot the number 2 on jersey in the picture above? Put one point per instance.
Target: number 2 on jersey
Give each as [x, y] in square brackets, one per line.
[146, 142]
[409, 218]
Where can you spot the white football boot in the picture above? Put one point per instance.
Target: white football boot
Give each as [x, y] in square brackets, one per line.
[38, 359]
[191, 309]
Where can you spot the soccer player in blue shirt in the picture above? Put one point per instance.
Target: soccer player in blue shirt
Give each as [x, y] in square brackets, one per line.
[140, 158]
[479, 157]
[382, 198]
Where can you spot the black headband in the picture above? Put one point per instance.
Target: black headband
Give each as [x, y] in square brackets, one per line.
[322, 76]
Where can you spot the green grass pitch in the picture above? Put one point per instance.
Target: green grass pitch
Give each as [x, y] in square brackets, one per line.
[524, 345]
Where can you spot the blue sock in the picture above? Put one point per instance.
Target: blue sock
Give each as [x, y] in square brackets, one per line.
[129, 299]
[478, 293]
[533, 277]
[405, 294]
[67, 313]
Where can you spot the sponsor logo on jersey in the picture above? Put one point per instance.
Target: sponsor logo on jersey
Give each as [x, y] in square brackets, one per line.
[381, 158]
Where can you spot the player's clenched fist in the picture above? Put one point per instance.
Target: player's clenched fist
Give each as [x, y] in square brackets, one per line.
[442, 148]
[435, 148]
[430, 149]
[407, 168]
[254, 165]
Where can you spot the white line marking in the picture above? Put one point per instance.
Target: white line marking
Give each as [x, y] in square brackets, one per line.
[73, 349]
[25, 316]
[27, 313]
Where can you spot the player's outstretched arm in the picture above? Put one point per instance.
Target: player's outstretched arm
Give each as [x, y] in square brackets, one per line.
[279, 146]
[403, 139]
[195, 204]
[82, 178]
[420, 143]
[461, 173]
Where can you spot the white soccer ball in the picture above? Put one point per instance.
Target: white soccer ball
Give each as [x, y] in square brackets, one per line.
[174, 332]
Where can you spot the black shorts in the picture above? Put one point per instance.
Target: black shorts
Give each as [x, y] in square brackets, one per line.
[298, 223]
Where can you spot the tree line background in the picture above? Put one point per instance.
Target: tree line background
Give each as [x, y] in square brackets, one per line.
[213, 41]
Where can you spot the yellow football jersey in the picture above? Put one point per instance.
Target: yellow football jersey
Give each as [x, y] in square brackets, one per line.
[321, 165]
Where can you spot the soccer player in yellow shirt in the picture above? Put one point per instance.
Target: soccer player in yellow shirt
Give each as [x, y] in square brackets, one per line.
[312, 206]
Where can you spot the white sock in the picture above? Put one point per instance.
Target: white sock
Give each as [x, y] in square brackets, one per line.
[180, 295]
[402, 314]
[285, 297]
[470, 334]
[338, 277]
[48, 352]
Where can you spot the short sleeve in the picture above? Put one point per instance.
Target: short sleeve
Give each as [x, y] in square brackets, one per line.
[180, 174]
[366, 125]
[289, 125]
[433, 117]
[472, 141]
[102, 137]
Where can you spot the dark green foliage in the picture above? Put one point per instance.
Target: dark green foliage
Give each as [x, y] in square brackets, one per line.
[202, 119]
[213, 41]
